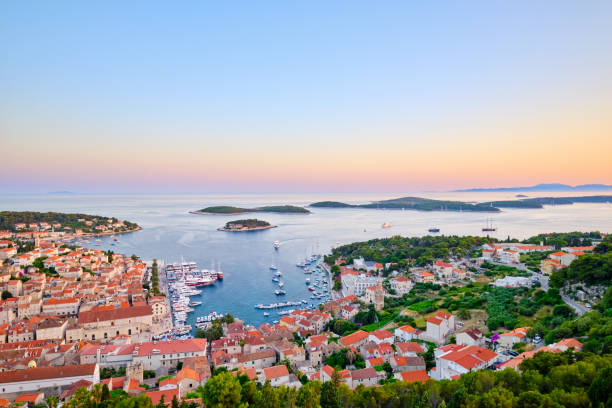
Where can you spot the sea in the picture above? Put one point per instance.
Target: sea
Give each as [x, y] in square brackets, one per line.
[171, 234]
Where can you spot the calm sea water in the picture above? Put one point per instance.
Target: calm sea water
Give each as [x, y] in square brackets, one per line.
[170, 233]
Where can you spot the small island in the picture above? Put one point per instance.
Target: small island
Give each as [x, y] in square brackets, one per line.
[250, 224]
[229, 210]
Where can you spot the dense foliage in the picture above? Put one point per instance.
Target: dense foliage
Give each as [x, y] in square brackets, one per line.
[547, 380]
[399, 249]
[592, 268]
[8, 219]
[248, 223]
[226, 209]
[563, 239]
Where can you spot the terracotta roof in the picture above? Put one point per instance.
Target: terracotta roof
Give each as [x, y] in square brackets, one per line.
[28, 397]
[414, 376]
[409, 346]
[276, 371]
[115, 314]
[364, 373]
[168, 395]
[407, 328]
[570, 343]
[354, 337]
[376, 361]
[43, 373]
[470, 357]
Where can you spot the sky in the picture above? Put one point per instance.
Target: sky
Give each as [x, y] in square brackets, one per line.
[316, 96]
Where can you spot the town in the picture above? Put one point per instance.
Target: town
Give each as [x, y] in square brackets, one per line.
[73, 317]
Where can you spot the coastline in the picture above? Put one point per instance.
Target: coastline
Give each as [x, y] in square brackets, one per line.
[98, 234]
[247, 229]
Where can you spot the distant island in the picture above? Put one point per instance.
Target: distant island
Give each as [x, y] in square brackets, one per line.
[540, 202]
[541, 187]
[54, 222]
[412, 203]
[250, 224]
[425, 204]
[229, 210]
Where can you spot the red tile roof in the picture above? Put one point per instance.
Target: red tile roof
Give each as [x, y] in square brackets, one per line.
[276, 371]
[414, 376]
[43, 373]
[168, 395]
[354, 337]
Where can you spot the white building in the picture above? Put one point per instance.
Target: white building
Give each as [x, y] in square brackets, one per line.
[455, 359]
[37, 378]
[439, 327]
[401, 285]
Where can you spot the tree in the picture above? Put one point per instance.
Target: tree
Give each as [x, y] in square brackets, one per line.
[6, 294]
[329, 395]
[175, 403]
[52, 401]
[222, 390]
[599, 391]
[464, 314]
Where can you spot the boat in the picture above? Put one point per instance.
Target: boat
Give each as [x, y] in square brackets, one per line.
[266, 314]
[310, 288]
[279, 273]
[273, 267]
[275, 279]
[281, 284]
[279, 292]
[193, 304]
[489, 227]
[434, 229]
[276, 245]
[307, 281]
[387, 225]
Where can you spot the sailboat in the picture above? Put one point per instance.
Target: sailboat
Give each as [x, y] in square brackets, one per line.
[489, 226]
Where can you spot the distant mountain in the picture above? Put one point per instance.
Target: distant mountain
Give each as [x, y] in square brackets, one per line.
[542, 187]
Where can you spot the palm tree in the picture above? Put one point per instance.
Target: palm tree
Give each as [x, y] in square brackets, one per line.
[350, 356]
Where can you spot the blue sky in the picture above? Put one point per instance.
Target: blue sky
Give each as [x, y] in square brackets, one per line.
[208, 86]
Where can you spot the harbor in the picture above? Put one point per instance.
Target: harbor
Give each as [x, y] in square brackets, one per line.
[190, 290]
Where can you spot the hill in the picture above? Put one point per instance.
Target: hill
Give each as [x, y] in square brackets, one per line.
[542, 187]
[9, 220]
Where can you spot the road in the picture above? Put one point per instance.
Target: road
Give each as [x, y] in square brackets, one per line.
[578, 308]
[543, 279]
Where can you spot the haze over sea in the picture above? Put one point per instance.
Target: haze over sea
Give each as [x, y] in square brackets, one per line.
[170, 233]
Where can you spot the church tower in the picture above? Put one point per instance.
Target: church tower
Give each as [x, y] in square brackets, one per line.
[379, 294]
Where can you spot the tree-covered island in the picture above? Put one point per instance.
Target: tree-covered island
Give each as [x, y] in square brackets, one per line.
[425, 204]
[226, 209]
[412, 203]
[250, 224]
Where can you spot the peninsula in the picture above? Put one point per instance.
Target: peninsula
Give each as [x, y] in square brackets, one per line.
[56, 224]
[229, 210]
[250, 224]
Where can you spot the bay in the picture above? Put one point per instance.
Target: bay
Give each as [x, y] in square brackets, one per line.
[171, 234]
